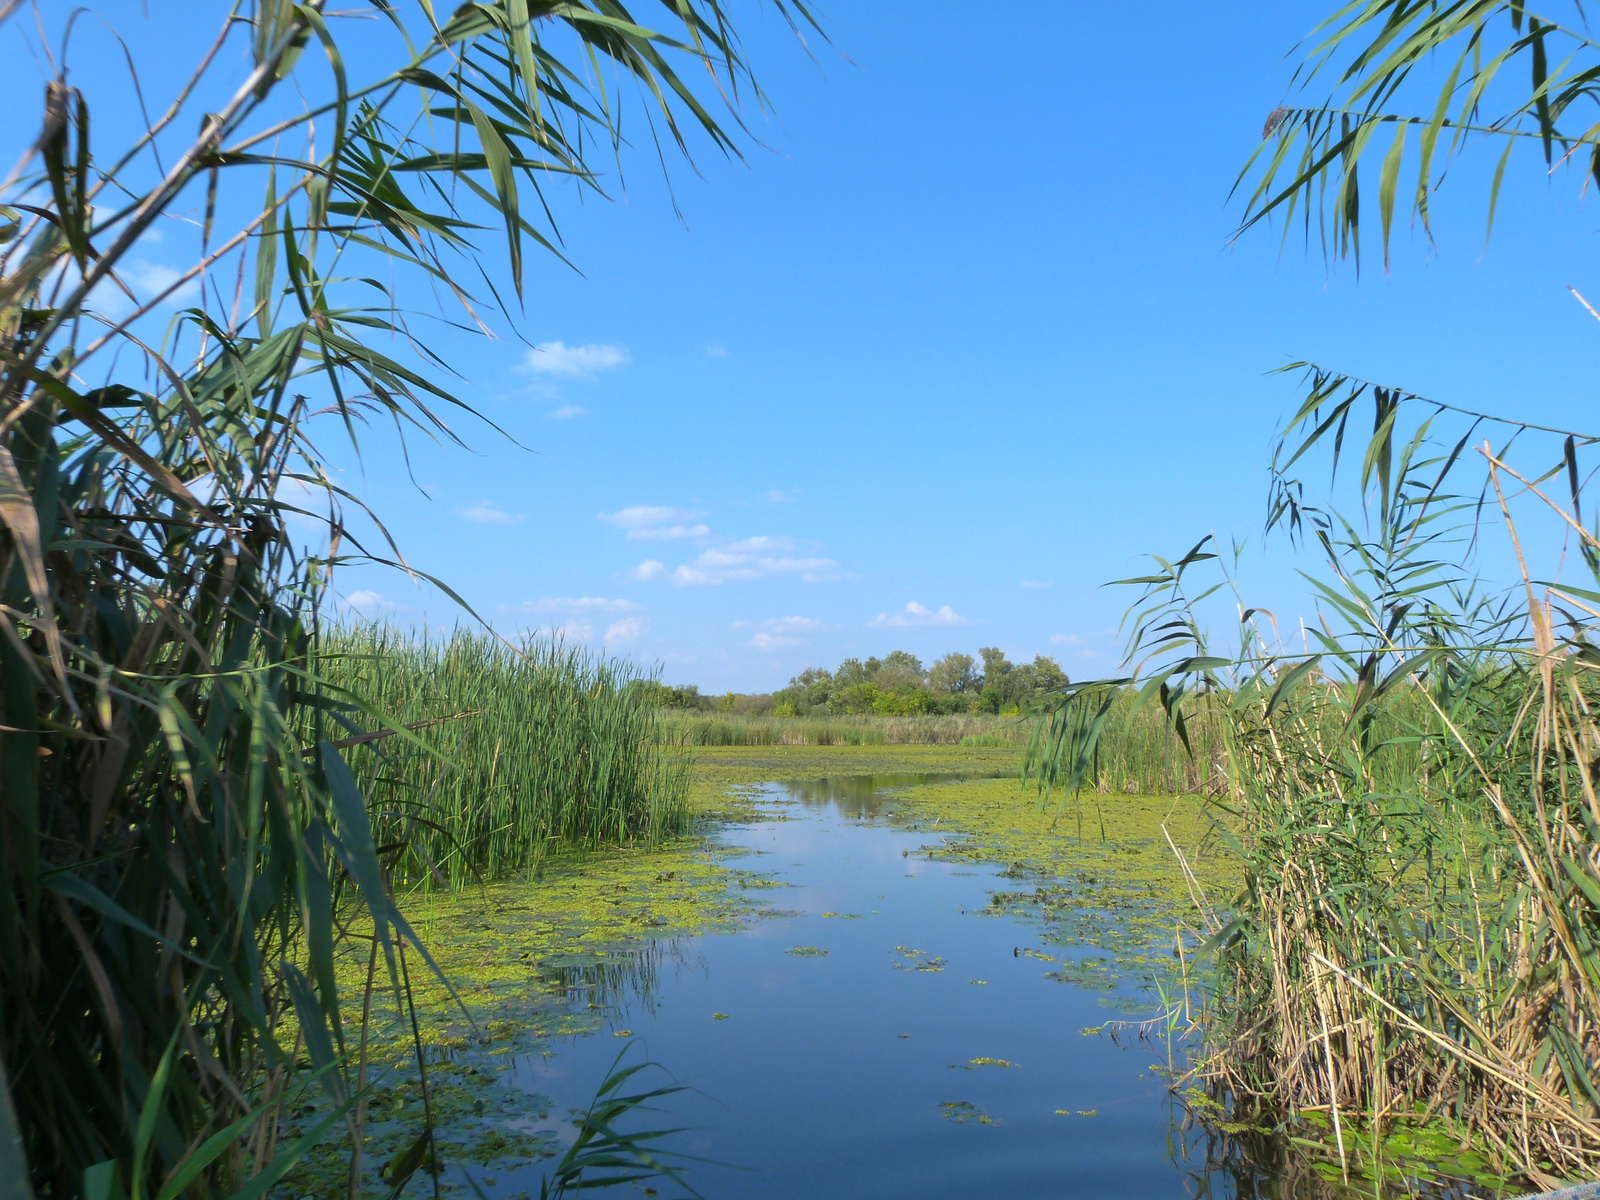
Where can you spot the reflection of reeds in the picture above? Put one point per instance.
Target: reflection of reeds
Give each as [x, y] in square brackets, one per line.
[545, 749]
[612, 980]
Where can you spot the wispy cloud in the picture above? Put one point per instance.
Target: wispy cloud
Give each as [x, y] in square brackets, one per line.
[794, 625]
[645, 522]
[773, 641]
[148, 280]
[781, 495]
[915, 614]
[488, 513]
[567, 411]
[778, 632]
[576, 604]
[716, 350]
[369, 603]
[743, 560]
[626, 630]
[669, 532]
[577, 362]
[1033, 583]
[1065, 639]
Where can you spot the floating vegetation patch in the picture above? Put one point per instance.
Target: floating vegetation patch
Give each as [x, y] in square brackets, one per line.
[964, 1112]
[807, 952]
[1096, 974]
[916, 960]
[550, 957]
[844, 916]
[1102, 872]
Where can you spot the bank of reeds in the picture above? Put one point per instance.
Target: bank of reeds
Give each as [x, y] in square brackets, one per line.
[1138, 751]
[1413, 800]
[517, 752]
[735, 729]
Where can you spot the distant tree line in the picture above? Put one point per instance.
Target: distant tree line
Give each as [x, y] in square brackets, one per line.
[895, 685]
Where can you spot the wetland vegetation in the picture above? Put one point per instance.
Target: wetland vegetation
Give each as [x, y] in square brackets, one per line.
[1363, 877]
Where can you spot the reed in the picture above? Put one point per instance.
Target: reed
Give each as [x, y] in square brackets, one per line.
[183, 843]
[1413, 801]
[519, 751]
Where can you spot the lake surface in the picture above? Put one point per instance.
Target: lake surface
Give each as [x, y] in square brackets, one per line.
[852, 1073]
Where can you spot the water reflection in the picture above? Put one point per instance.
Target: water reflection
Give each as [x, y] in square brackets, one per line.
[867, 796]
[834, 1074]
[619, 980]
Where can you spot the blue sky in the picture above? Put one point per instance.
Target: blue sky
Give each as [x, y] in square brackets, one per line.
[962, 339]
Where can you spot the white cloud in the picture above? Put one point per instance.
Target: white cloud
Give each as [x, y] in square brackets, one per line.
[773, 641]
[148, 280]
[488, 513]
[743, 560]
[760, 545]
[781, 495]
[646, 521]
[144, 279]
[1065, 639]
[626, 629]
[794, 625]
[915, 614]
[715, 350]
[571, 630]
[649, 569]
[778, 632]
[567, 411]
[368, 603]
[1033, 583]
[669, 532]
[579, 362]
[577, 604]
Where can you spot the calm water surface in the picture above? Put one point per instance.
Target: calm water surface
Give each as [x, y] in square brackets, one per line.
[850, 1074]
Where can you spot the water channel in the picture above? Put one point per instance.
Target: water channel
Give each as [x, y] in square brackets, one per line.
[880, 1030]
[878, 1033]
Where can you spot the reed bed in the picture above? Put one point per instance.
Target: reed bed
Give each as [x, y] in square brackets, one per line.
[1138, 751]
[734, 729]
[517, 752]
[1415, 953]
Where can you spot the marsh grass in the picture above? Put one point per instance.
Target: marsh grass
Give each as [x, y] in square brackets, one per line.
[520, 752]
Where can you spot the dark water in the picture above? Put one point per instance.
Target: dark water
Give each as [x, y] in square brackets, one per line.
[851, 1074]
